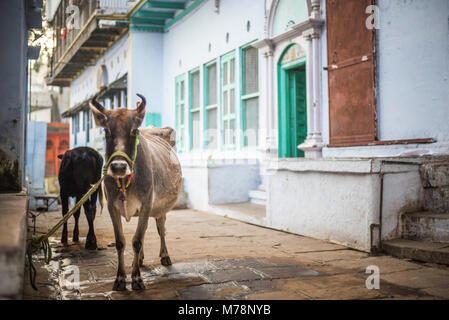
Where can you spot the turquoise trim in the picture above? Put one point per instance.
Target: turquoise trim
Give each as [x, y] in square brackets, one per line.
[153, 119]
[165, 5]
[183, 13]
[154, 14]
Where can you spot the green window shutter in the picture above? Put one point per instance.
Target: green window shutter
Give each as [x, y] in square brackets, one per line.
[249, 89]
[228, 100]
[194, 110]
[210, 85]
[180, 108]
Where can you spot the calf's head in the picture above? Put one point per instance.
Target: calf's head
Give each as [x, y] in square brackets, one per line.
[121, 129]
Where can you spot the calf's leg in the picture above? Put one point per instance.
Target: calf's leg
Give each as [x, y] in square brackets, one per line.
[120, 281]
[89, 210]
[76, 215]
[65, 209]
[160, 223]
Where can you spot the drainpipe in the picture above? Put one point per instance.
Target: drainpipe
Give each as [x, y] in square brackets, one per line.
[374, 250]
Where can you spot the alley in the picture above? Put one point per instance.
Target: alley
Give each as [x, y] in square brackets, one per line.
[218, 258]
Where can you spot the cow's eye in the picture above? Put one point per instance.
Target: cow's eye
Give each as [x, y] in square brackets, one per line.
[134, 132]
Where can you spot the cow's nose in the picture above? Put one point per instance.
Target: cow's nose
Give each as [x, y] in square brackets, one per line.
[118, 167]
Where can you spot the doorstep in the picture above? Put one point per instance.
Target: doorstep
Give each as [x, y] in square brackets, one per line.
[12, 244]
[244, 211]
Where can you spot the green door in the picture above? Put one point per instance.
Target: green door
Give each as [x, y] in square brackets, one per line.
[298, 107]
[292, 112]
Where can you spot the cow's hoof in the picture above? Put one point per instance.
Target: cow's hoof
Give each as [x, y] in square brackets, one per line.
[165, 261]
[119, 285]
[91, 246]
[138, 284]
[76, 239]
[65, 243]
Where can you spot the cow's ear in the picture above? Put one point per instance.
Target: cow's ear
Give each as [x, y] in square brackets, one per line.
[99, 112]
[60, 156]
[140, 112]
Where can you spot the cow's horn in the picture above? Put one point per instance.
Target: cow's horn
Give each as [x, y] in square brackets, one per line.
[141, 105]
[97, 105]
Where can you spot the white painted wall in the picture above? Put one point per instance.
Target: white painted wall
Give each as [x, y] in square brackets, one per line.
[413, 69]
[116, 61]
[145, 69]
[186, 43]
[338, 200]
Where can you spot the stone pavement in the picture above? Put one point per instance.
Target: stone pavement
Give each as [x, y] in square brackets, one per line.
[219, 258]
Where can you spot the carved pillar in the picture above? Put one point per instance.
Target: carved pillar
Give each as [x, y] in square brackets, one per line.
[314, 143]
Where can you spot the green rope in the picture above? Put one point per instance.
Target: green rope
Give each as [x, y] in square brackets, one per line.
[41, 241]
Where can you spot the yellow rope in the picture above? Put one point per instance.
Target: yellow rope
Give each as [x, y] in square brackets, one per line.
[41, 241]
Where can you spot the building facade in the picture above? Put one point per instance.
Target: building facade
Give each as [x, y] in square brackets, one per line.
[310, 116]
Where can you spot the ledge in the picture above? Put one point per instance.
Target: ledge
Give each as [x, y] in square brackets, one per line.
[349, 165]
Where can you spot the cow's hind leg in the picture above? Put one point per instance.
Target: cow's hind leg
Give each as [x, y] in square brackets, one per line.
[89, 210]
[160, 223]
[65, 209]
[76, 215]
[137, 283]
[120, 281]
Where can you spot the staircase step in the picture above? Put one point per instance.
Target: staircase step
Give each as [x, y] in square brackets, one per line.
[426, 226]
[258, 196]
[435, 174]
[436, 199]
[425, 251]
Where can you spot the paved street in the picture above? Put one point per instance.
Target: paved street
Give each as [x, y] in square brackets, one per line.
[219, 258]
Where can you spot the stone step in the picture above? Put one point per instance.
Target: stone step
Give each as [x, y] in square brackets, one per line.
[435, 174]
[258, 196]
[436, 199]
[426, 226]
[425, 251]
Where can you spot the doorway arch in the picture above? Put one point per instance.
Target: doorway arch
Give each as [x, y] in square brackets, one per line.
[292, 93]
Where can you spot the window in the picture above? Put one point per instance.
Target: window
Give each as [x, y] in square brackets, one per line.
[211, 106]
[250, 95]
[86, 125]
[194, 109]
[180, 112]
[228, 98]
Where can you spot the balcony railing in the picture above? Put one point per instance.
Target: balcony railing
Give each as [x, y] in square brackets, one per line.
[74, 23]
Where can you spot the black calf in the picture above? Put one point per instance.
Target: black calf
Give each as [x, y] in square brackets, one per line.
[80, 168]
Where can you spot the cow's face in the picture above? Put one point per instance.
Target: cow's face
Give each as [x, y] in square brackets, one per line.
[120, 126]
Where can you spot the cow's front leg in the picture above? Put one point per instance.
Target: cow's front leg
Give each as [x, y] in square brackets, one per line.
[137, 283]
[120, 281]
[165, 258]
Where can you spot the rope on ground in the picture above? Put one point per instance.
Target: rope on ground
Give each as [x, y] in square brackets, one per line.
[41, 241]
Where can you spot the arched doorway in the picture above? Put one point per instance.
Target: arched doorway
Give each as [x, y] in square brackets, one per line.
[292, 94]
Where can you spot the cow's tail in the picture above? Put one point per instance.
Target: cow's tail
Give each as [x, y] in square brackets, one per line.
[102, 197]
